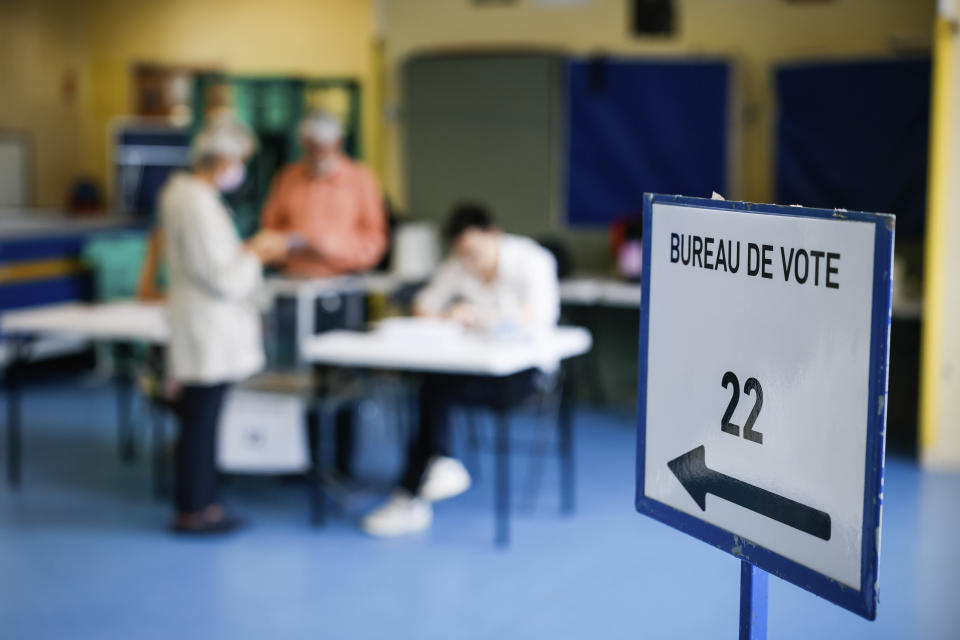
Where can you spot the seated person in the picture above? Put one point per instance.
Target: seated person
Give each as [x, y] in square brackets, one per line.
[492, 281]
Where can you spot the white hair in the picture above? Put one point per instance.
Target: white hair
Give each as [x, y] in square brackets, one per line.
[223, 135]
[320, 126]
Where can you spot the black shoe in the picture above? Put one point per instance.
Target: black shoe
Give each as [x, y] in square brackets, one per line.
[221, 526]
[226, 524]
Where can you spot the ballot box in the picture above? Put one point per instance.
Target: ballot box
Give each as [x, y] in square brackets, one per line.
[262, 431]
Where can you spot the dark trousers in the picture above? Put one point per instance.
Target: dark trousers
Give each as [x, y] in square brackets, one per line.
[344, 441]
[438, 394]
[198, 410]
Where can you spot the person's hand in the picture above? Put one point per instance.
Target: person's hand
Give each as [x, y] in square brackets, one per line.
[464, 313]
[149, 292]
[269, 246]
[316, 247]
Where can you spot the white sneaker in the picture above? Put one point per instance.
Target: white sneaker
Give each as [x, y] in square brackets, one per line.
[444, 478]
[401, 514]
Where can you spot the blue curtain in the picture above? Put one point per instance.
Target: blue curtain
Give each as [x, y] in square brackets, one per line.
[637, 126]
[854, 136]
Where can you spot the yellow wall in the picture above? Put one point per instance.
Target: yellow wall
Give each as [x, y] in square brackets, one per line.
[308, 37]
[940, 390]
[103, 39]
[40, 41]
[755, 33]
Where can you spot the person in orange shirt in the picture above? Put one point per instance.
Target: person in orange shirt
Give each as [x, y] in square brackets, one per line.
[330, 202]
[334, 208]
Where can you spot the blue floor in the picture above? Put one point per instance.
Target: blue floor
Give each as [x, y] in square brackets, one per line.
[84, 554]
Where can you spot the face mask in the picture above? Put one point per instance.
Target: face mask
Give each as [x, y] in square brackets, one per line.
[231, 178]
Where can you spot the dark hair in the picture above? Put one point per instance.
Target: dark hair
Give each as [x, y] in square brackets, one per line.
[466, 216]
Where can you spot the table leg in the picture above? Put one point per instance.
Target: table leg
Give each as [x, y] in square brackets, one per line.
[12, 383]
[473, 443]
[159, 407]
[567, 473]
[158, 418]
[502, 498]
[125, 435]
[318, 498]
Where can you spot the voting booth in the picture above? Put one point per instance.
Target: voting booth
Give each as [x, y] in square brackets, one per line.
[762, 390]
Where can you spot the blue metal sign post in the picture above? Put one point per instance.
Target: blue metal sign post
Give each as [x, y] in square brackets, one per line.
[764, 336]
[754, 587]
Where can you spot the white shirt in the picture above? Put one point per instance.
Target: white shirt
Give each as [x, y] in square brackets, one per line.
[524, 291]
[215, 331]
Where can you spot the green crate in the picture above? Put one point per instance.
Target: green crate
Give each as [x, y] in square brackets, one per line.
[115, 259]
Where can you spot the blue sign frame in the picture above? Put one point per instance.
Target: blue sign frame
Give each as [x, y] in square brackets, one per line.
[861, 601]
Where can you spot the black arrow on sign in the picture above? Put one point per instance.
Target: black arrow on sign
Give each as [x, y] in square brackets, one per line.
[699, 480]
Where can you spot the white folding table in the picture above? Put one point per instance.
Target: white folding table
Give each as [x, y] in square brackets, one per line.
[466, 354]
[127, 320]
[122, 322]
[131, 321]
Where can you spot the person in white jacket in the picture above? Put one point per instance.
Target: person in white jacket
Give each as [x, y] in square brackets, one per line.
[215, 336]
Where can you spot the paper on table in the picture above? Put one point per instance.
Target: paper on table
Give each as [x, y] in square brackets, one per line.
[420, 329]
[442, 330]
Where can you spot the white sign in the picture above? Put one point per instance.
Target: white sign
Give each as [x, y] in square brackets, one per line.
[758, 377]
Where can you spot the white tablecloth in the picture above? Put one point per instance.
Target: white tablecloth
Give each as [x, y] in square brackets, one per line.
[120, 320]
[466, 353]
